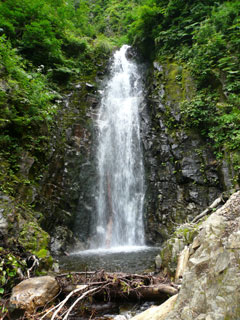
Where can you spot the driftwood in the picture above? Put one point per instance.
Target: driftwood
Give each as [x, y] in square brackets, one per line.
[80, 287]
[154, 292]
[130, 286]
[209, 209]
[182, 263]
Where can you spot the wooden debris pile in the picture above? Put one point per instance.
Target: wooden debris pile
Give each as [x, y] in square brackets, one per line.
[80, 288]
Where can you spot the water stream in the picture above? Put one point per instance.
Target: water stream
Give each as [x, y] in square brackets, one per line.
[120, 167]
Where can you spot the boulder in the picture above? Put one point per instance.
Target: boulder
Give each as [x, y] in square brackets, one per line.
[157, 312]
[211, 282]
[34, 292]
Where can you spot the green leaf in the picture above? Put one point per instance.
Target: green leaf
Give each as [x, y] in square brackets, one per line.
[12, 273]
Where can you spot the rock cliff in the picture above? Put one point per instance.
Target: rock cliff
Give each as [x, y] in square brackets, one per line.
[182, 173]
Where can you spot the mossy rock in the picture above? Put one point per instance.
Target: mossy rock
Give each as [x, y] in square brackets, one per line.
[182, 237]
[178, 82]
[169, 255]
[46, 260]
[33, 238]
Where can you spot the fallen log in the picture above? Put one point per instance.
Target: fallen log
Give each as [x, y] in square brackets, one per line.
[209, 209]
[154, 292]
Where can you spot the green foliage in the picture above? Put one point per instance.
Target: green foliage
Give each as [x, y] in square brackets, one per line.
[103, 46]
[54, 33]
[187, 232]
[26, 102]
[214, 61]
[200, 111]
[44, 43]
[205, 36]
[166, 25]
[10, 265]
[112, 18]
[141, 31]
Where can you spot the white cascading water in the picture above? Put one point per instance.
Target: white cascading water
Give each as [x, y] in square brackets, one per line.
[119, 157]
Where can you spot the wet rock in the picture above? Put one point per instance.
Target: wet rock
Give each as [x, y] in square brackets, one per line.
[191, 169]
[157, 66]
[61, 240]
[131, 53]
[35, 292]
[159, 312]
[67, 192]
[227, 172]
[89, 86]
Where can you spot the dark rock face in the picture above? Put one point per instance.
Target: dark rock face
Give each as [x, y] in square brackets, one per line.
[182, 174]
[67, 196]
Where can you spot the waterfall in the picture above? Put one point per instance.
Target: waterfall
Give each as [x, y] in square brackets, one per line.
[119, 158]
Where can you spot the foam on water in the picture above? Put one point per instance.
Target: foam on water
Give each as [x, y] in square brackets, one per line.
[104, 251]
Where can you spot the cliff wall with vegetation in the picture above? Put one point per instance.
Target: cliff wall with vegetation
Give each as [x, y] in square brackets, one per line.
[53, 55]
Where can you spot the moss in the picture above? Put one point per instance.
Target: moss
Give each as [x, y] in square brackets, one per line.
[46, 260]
[173, 87]
[42, 253]
[169, 257]
[187, 84]
[182, 236]
[33, 238]
[179, 85]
